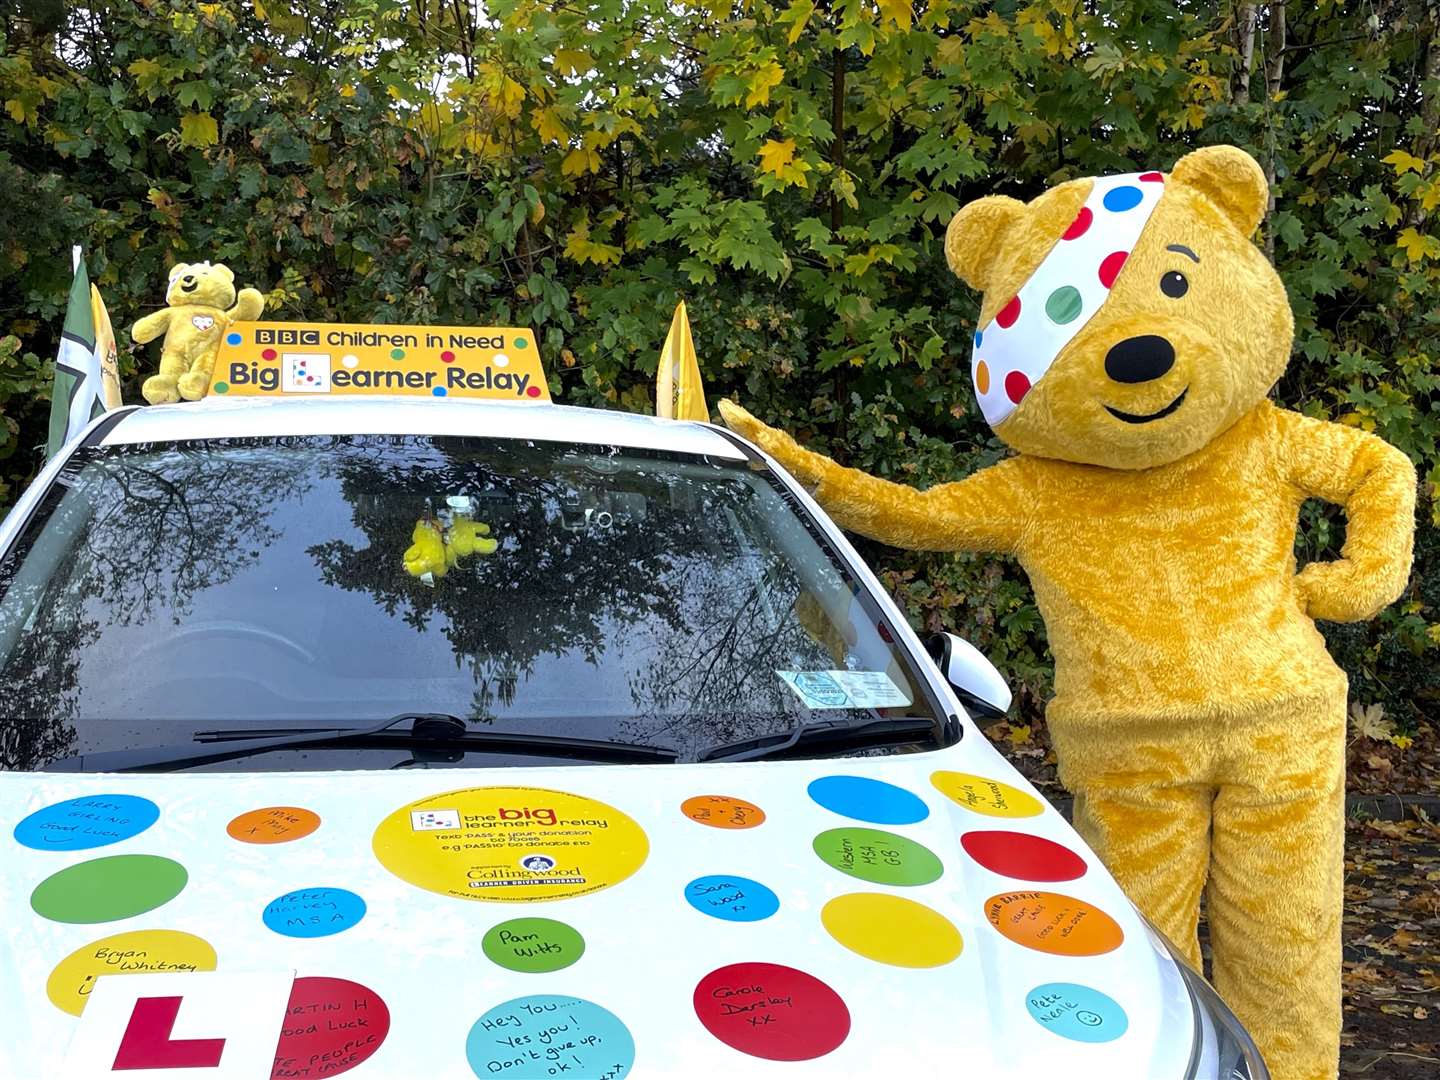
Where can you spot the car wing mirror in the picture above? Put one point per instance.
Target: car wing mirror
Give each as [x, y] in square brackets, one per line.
[980, 688]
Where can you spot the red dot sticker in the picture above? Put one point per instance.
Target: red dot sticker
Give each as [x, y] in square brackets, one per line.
[1020, 855]
[1016, 386]
[448, 356]
[533, 391]
[1153, 177]
[331, 1026]
[1079, 225]
[268, 354]
[1110, 267]
[771, 1011]
[1009, 313]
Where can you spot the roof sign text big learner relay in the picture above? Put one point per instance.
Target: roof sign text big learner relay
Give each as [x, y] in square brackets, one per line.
[264, 359]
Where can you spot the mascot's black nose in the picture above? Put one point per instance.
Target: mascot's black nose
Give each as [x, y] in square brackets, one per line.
[1139, 359]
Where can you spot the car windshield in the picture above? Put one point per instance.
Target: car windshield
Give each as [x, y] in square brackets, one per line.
[264, 586]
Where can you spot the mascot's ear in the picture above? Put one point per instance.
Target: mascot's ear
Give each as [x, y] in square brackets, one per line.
[976, 236]
[176, 271]
[1231, 179]
[221, 270]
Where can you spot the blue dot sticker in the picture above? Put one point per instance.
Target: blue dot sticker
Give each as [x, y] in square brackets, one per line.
[88, 822]
[1077, 1012]
[1123, 198]
[530, 1038]
[732, 898]
[864, 799]
[312, 913]
[233, 338]
[438, 391]
[979, 336]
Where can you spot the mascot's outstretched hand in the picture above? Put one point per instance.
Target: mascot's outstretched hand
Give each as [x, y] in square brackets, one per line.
[1128, 336]
[202, 303]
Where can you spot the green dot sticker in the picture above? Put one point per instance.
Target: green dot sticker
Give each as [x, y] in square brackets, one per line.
[104, 890]
[521, 343]
[878, 857]
[222, 388]
[397, 354]
[534, 946]
[1063, 305]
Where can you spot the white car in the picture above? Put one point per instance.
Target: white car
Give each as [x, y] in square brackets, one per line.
[661, 786]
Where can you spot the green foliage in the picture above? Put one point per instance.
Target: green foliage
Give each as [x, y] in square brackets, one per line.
[787, 167]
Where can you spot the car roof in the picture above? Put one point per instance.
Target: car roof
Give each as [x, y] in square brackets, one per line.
[217, 418]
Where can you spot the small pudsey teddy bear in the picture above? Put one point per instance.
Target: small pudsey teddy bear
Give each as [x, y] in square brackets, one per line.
[466, 537]
[202, 303]
[438, 544]
[1128, 335]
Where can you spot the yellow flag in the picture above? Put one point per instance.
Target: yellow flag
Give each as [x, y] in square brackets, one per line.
[105, 351]
[679, 393]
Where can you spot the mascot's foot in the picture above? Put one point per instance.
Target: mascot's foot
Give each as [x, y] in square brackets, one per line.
[192, 386]
[158, 390]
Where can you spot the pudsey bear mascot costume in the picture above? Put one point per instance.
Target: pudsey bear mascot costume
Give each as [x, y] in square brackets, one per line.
[1128, 336]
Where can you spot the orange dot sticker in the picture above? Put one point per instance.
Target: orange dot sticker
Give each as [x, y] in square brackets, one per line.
[722, 812]
[1054, 923]
[982, 377]
[273, 825]
[985, 796]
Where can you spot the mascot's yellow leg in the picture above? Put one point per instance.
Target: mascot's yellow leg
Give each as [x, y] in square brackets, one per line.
[1277, 886]
[195, 383]
[162, 388]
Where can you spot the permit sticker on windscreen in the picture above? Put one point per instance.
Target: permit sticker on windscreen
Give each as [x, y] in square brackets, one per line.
[845, 689]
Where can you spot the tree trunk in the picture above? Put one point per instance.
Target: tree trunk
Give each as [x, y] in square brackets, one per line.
[1245, 20]
[1429, 117]
[837, 125]
[1274, 74]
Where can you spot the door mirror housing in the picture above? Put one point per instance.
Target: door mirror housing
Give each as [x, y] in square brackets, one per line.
[980, 688]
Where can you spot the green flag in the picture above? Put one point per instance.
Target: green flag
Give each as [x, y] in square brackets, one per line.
[77, 397]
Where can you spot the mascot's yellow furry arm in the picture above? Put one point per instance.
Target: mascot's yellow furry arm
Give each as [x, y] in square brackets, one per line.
[201, 304]
[1129, 333]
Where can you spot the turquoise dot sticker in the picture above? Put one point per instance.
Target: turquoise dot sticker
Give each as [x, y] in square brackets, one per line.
[88, 822]
[1077, 1012]
[521, 343]
[1063, 305]
[548, 1035]
[222, 388]
[313, 913]
[864, 799]
[731, 898]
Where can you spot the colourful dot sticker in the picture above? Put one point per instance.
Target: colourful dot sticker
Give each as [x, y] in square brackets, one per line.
[103, 890]
[1009, 313]
[1064, 305]
[880, 858]
[771, 1011]
[1080, 225]
[330, 1026]
[1119, 199]
[1020, 855]
[892, 930]
[530, 1038]
[731, 898]
[864, 799]
[1077, 1012]
[1153, 177]
[233, 339]
[1017, 385]
[269, 354]
[222, 388]
[133, 953]
[312, 913]
[1110, 267]
[722, 812]
[1054, 923]
[521, 343]
[397, 354]
[90, 821]
[447, 356]
[273, 825]
[979, 337]
[982, 377]
[532, 391]
[533, 946]
[985, 796]
[510, 844]
[500, 360]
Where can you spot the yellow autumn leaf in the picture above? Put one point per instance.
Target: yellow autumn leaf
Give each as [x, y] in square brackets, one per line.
[1404, 162]
[548, 126]
[1019, 735]
[951, 50]
[348, 90]
[571, 61]
[898, 11]
[198, 129]
[798, 16]
[582, 249]
[768, 76]
[1417, 246]
[774, 155]
[580, 161]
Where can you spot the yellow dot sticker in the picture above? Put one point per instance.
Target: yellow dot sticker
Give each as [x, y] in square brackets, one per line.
[892, 930]
[985, 796]
[138, 952]
[510, 844]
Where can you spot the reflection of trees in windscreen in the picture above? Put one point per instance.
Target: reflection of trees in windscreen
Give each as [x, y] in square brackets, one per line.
[137, 537]
[548, 591]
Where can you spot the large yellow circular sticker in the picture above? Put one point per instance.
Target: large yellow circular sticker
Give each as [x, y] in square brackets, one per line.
[985, 796]
[132, 953]
[510, 844]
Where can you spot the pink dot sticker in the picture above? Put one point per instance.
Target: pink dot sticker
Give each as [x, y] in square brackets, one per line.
[1110, 267]
[533, 391]
[1021, 855]
[448, 356]
[268, 354]
[1153, 177]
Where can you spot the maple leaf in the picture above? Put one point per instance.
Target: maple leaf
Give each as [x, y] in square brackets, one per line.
[1370, 721]
[1416, 246]
[198, 129]
[1404, 162]
[774, 156]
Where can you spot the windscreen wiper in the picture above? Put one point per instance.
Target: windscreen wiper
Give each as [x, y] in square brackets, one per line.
[874, 732]
[429, 730]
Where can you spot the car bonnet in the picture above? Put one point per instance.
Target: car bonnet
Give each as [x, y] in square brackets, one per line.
[917, 915]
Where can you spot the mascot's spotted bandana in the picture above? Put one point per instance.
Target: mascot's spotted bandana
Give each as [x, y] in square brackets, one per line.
[1129, 334]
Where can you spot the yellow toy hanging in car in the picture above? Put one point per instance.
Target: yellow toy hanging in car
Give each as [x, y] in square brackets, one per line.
[439, 543]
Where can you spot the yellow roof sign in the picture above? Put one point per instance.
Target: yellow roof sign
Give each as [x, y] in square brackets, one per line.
[282, 359]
